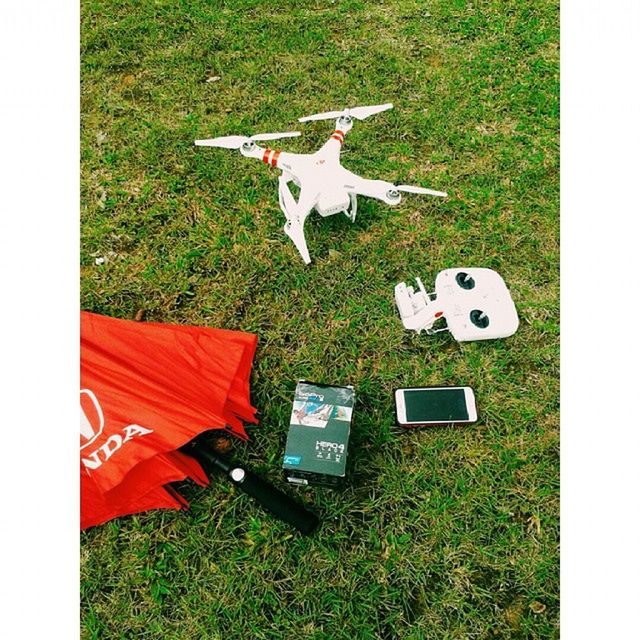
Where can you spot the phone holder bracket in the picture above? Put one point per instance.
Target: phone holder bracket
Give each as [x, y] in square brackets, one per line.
[417, 309]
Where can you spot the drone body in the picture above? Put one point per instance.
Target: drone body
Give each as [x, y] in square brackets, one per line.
[323, 182]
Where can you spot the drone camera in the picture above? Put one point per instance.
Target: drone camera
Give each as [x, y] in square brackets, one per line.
[332, 202]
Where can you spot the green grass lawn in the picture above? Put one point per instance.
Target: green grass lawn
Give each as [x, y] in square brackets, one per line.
[445, 533]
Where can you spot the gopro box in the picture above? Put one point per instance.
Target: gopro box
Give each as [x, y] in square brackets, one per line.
[318, 440]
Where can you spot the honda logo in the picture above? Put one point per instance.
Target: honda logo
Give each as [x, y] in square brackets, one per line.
[91, 418]
[92, 426]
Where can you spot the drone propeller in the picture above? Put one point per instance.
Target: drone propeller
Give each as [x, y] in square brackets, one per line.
[235, 142]
[360, 113]
[410, 189]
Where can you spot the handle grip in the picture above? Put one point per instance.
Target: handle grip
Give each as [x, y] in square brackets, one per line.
[273, 500]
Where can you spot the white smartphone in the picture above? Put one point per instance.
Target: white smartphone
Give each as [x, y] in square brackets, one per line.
[427, 406]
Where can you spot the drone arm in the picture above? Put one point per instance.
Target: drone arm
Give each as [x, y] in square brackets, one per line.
[266, 154]
[272, 157]
[333, 146]
[378, 189]
[254, 151]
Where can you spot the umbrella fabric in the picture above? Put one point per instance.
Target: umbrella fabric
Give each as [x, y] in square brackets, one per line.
[146, 390]
[239, 392]
[143, 488]
[96, 508]
[238, 399]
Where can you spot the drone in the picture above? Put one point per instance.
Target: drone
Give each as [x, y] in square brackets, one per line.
[323, 182]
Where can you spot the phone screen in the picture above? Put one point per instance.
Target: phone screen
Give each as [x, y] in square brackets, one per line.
[435, 405]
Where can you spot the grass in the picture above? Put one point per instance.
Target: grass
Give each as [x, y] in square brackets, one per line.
[442, 533]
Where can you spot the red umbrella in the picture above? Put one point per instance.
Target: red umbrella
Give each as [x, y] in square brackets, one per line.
[152, 388]
[147, 390]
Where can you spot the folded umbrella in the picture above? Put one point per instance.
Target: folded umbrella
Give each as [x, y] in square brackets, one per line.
[152, 388]
[147, 391]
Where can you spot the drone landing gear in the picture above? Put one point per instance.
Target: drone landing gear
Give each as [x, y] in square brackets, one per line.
[294, 227]
[353, 207]
[296, 233]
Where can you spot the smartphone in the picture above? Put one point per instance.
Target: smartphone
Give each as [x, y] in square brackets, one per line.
[427, 406]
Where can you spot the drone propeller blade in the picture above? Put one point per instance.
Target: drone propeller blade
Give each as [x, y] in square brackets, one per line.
[276, 136]
[360, 113]
[235, 142]
[328, 115]
[364, 112]
[429, 192]
[225, 142]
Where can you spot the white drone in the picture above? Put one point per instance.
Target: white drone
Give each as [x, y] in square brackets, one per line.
[323, 182]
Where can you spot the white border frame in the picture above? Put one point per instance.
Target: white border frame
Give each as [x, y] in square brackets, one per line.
[600, 440]
[39, 257]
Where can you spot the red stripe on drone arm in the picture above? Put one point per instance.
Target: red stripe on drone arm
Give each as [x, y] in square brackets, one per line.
[338, 138]
[265, 156]
[274, 159]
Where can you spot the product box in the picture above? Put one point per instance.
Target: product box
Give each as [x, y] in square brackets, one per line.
[318, 440]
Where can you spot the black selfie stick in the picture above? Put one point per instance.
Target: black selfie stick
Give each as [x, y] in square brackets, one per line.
[272, 499]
